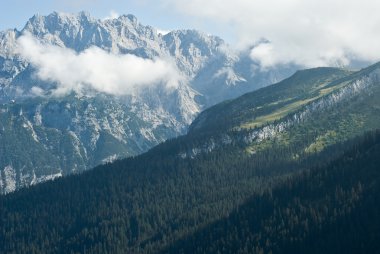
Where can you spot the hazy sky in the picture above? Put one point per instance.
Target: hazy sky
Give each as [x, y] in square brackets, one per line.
[306, 32]
[15, 13]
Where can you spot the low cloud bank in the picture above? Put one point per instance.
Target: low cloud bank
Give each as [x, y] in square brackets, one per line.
[308, 33]
[95, 69]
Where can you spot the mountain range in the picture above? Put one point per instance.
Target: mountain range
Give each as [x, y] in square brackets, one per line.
[291, 167]
[44, 136]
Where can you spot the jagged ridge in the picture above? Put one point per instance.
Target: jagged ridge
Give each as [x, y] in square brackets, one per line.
[78, 132]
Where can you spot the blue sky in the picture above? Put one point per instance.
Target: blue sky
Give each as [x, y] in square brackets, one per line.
[15, 13]
[309, 33]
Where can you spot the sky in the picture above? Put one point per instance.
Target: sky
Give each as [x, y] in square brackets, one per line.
[304, 32]
[15, 13]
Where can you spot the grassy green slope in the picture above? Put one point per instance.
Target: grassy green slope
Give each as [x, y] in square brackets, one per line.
[278, 99]
[311, 110]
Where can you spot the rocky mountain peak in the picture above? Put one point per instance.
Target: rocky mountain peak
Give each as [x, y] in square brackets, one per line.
[132, 18]
[77, 132]
[7, 42]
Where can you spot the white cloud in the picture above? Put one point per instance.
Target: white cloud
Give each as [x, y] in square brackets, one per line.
[263, 53]
[163, 32]
[37, 91]
[309, 33]
[95, 69]
[112, 15]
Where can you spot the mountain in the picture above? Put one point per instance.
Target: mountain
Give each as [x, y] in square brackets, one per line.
[322, 105]
[43, 136]
[294, 143]
[329, 209]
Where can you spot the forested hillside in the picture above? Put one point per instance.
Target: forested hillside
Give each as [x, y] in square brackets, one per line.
[330, 209]
[284, 162]
[80, 121]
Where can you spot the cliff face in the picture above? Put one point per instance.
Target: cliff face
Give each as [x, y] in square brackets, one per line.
[351, 98]
[45, 136]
